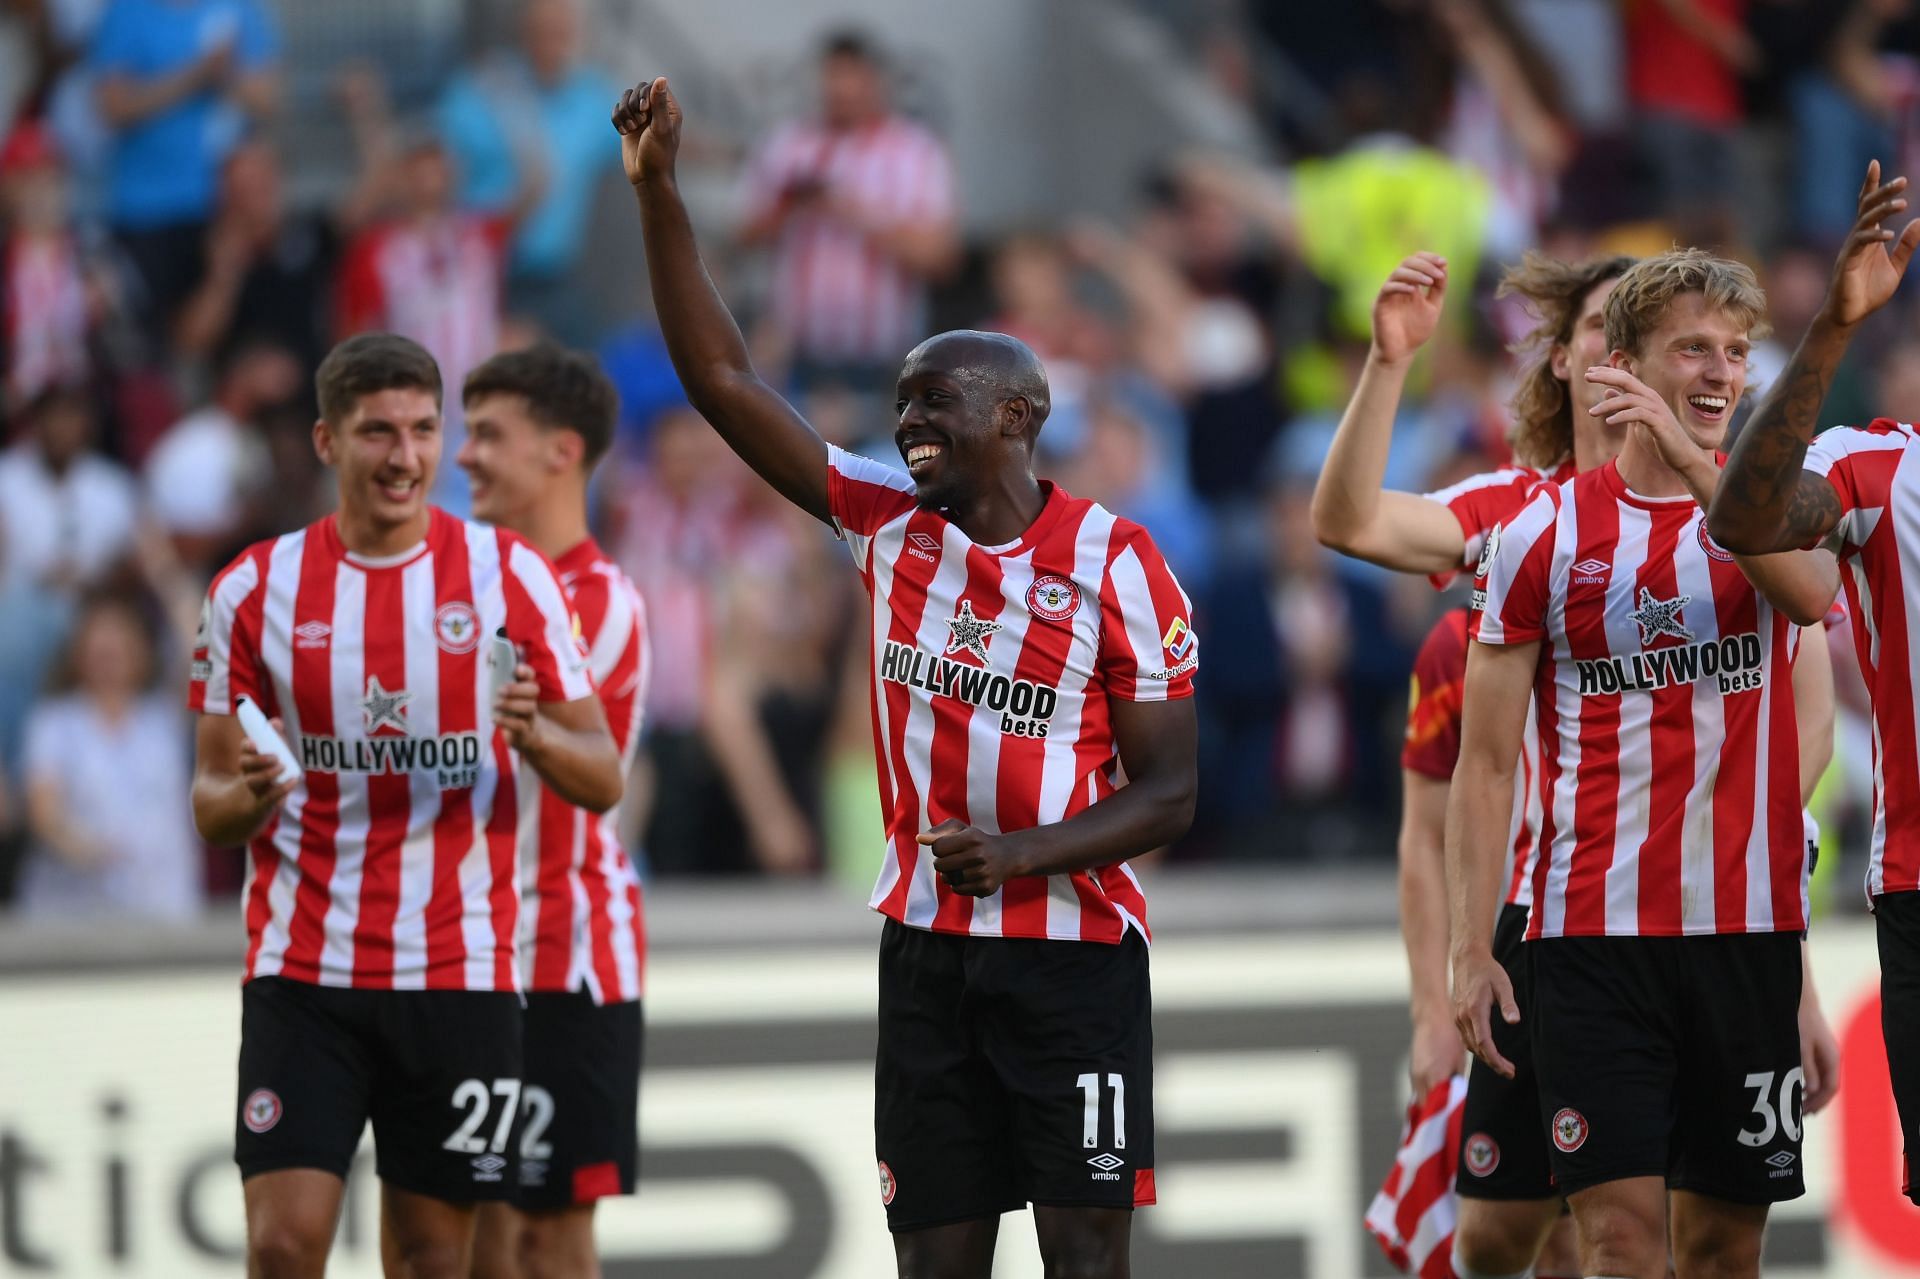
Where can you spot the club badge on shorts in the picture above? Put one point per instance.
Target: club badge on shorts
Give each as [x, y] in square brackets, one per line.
[1569, 1130]
[262, 1110]
[887, 1184]
[1481, 1154]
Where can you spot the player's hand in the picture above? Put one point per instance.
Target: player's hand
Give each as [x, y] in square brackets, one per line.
[648, 119]
[1437, 1052]
[1632, 403]
[1873, 260]
[261, 773]
[972, 862]
[1407, 310]
[1819, 1057]
[1480, 984]
[516, 711]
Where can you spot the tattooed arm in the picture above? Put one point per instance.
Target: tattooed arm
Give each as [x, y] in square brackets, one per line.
[1766, 501]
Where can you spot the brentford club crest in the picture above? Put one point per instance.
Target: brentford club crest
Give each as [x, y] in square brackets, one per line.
[1053, 598]
[457, 627]
[1569, 1130]
[887, 1183]
[262, 1110]
[1713, 548]
[1481, 1154]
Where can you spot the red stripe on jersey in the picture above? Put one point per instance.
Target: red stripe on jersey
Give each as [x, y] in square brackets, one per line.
[1043, 657]
[557, 828]
[1671, 734]
[911, 578]
[951, 720]
[312, 682]
[1739, 763]
[453, 834]
[1597, 784]
[1547, 715]
[503, 897]
[389, 798]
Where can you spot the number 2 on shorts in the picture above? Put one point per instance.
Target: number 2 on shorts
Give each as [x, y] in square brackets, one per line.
[1090, 1131]
[474, 1097]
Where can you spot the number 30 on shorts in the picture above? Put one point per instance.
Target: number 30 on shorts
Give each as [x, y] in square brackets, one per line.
[1785, 1117]
[476, 1098]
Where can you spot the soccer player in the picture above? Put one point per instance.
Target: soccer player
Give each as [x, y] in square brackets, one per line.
[1670, 890]
[1033, 666]
[381, 895]
[537, 422]
[1784, 488]
[1510, 1216]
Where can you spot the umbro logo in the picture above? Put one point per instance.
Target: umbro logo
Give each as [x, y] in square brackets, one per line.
[315, 634]
[488, 1167]
[1591, 572]
[923, 546]
[1107, 1162]
[1781, 1159]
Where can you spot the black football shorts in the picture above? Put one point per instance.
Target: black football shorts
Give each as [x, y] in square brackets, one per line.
[1896, 920]
[1675, 1057]
[437, 1071]
[1009, 1072]
[1502, 1154]
[580, 1108]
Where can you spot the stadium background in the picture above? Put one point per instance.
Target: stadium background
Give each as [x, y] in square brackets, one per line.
[1187, 208]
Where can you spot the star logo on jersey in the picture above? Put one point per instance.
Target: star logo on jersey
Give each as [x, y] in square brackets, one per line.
[970, 632]
[1661, 617]
[381, 709]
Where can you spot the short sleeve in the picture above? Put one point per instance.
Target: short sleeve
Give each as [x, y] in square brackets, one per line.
[1860, 463]
[863, 497]
[1512, 586]
[1432, 744]
[1480, 503]
[543, 626]
[40, 752]
[1148, 649]
[226, 647]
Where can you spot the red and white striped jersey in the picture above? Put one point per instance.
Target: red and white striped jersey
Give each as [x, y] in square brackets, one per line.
[835, 293]
[1664, 701]
[391, 865]
[994, 669]
[1413, 1215]
[1432, 745]
[1483, 502]
[580, 914]
[1879, 533]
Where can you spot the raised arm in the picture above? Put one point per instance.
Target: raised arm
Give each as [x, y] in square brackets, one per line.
[1767, 500]
[1352, 513]
[708, 352]
[1495, 702]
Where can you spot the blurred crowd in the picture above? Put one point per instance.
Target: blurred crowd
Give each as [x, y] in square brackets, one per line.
[174, 260]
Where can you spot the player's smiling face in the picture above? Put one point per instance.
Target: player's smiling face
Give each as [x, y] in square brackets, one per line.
[1696, 360]
[944, 432]
[386, 453]
[508, 459]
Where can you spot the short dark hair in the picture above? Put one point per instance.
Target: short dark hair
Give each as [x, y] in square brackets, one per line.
[368, 363]
[565, 390]
[851, 42]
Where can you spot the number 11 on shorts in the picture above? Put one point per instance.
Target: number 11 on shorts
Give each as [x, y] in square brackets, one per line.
[1090, 1131]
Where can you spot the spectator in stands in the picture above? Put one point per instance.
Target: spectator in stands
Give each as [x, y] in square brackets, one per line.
[178, 82]
[859, 209]
[1685, 59]
[107, 774]
[50, 294]
[536, 116]
[432, 272]
[67, 513]
[208, 473]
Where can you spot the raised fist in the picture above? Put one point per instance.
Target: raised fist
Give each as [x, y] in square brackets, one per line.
[648, 120]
